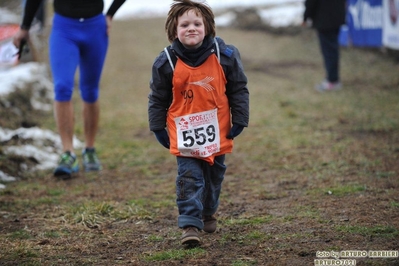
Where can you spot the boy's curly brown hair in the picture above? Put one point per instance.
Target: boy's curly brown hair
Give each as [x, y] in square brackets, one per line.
[179, 7]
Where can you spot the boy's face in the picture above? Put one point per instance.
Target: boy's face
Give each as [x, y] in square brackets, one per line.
[190, 29]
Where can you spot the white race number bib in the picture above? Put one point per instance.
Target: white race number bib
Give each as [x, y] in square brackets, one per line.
[198, 134]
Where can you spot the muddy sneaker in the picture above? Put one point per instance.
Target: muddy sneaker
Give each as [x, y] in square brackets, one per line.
[67, 165]
[90, 160]
[328, 86]
[190, 237]
[209, 223]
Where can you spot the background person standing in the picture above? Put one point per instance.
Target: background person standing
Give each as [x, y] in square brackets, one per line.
[79, 37]
[327, 17]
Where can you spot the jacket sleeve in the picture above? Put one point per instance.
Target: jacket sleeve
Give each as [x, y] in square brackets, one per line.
[310, 9]
[236, 87]
[160, 96]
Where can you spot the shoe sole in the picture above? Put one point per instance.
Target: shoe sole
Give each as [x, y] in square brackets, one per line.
[64, 173]
[191, 241]
[92, 169]
[210, 231]
[327, 90]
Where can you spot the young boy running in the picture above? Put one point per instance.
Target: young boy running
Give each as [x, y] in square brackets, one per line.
[199, 102]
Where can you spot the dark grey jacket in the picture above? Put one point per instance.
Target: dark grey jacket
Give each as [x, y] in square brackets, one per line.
[160, 96]
[325, 14]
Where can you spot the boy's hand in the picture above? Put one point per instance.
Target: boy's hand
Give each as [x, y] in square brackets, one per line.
[162, 137]
[235, 131]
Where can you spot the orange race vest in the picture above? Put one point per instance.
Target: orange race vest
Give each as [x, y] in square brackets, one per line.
[198, 119]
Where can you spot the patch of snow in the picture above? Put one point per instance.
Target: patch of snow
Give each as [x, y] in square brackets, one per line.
[45, 158]
[6, 178]
[226, 19]
[37, 135]
[283, 16]
[8, 17]
[42, 145]
[19, 76]
[160, 8]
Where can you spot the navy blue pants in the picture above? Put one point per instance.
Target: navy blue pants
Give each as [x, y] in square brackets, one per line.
[329, 46]
[198, 186]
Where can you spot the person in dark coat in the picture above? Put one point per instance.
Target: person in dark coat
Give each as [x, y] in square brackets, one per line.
[327, 17]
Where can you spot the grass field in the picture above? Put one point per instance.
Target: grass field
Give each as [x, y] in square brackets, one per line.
[312, 172]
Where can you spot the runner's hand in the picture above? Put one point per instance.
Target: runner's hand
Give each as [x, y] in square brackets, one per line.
[108, 20]
[19, 36]
[162, 137]
[235, 131]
